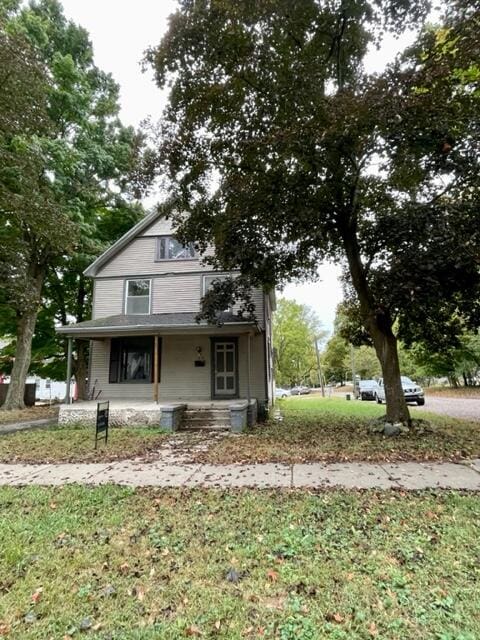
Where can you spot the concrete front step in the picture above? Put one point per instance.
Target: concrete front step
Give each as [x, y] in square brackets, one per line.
[206, 412]
[209, 426]
[206, 417]
[209, 418]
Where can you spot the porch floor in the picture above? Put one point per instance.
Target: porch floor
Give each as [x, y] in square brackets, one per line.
[198, 413]
[143, 405]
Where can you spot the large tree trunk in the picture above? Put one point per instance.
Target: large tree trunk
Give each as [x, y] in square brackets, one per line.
[385, 344]
[21, 365]
[378, 323]
[27, 320]
[81, 369]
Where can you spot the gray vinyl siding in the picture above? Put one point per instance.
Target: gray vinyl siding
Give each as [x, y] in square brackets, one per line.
[180, 379]
[138, 258]
[160, 227]
[170, 293]
[108, 298]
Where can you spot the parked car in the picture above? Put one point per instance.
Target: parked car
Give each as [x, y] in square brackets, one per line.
[282, 393]
[300, 390]
[366, 389]
[411, 390]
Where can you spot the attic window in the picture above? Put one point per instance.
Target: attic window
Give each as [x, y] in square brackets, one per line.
[168, 248]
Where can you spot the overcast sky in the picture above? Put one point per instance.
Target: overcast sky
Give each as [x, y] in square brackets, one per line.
[121, 30]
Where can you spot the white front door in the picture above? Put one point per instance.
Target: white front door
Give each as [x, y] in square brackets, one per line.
[224, 375]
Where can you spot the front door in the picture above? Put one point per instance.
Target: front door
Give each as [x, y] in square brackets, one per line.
[225, 368]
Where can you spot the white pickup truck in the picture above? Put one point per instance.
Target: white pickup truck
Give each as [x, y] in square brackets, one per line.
[411, 390]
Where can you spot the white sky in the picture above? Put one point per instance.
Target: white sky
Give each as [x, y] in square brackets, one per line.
[121, 30]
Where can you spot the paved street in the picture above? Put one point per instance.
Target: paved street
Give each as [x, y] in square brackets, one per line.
[468, 408]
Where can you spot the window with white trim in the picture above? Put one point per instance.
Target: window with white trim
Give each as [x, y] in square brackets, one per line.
[169, 248]
[137, 296]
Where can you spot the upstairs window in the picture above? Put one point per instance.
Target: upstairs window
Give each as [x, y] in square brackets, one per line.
[169, 248]
[208, 282]
[137, 296]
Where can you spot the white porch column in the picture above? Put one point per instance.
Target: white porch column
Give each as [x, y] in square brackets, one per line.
[249, 361]
[155, 369]
[69, 369]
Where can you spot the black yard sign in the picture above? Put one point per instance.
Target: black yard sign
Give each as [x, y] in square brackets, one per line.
[101, 427]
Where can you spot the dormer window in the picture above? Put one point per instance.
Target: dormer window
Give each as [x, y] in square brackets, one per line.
[137, 296]
[169, 248]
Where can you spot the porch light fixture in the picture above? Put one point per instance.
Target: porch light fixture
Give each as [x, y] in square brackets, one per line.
[199, 360]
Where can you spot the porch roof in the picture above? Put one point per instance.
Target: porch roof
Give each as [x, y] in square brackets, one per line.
[124, 324]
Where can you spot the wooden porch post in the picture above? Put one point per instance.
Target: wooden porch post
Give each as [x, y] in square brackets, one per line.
[249, 359]
[69, 369]
[155, 369]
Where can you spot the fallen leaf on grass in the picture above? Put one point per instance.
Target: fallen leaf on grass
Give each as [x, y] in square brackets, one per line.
[36, 595]
[335, 617]
[272, 575]
[139, 593]
[274, 602]
[372, 629]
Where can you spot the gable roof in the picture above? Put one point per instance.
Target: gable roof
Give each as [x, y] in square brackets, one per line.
[122, 242]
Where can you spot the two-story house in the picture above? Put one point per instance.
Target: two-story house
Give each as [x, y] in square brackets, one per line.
[145, 342]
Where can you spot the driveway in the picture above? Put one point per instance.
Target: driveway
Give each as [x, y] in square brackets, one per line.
[468, 408]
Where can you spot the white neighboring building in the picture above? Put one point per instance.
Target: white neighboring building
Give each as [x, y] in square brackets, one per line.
[50, 390]
[47, 390]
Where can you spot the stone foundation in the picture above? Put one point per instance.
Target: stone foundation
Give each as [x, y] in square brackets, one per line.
[118, 417]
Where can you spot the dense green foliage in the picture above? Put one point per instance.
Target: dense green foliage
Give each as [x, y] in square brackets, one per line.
[284, 152]
[89, 160]
[295, 330]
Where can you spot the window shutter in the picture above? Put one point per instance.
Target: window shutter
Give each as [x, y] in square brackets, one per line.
[115, 351]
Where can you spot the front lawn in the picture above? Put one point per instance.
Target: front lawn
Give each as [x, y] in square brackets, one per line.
[452, 392]
[127, 564]
[333, 429]
[76, 444]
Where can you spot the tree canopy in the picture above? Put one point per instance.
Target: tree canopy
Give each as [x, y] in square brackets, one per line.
[285, 152]
[295, 330]
[87, 159]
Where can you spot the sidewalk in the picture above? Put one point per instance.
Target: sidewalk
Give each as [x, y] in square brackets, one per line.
[12, 427]
[408, 475]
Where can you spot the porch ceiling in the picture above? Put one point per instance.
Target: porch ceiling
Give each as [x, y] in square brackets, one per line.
[159, 323]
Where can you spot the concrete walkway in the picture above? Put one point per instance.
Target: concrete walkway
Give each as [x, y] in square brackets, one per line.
[28, 424]
[408, 475]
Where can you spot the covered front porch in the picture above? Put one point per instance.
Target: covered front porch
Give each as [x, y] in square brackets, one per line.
[148, 363]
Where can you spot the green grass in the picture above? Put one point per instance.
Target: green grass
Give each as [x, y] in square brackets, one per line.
[170, 564]
[333, 429]
[76, 444]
